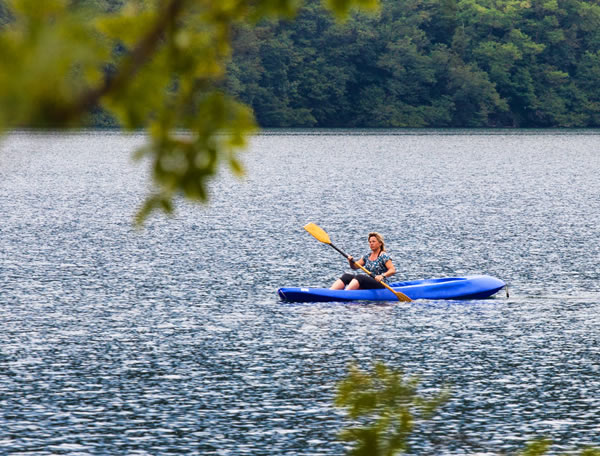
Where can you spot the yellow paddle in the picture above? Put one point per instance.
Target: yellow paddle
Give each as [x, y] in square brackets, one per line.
[322, 236]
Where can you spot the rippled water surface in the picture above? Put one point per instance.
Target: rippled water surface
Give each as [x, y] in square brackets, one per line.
[172, 340]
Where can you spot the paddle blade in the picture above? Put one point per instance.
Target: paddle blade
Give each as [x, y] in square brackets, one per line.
[317, 232]
[401, 296]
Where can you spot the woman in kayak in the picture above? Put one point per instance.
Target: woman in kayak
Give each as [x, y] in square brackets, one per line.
[378, 262]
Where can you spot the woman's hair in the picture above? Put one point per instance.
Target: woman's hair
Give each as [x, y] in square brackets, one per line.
[379, 237]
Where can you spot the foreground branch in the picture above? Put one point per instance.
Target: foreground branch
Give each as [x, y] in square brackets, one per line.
[140, 55]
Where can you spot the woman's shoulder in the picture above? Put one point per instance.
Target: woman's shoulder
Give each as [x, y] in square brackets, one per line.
[385, 256]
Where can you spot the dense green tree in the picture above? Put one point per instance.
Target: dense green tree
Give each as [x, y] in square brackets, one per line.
[429, 63]
[587, 75]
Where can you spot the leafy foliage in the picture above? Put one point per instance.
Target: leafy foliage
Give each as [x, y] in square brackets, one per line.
[386, 407]
[425, 63]
[152, 64]
[541, 447]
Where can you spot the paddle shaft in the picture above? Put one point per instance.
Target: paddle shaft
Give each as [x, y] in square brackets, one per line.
[399, 295]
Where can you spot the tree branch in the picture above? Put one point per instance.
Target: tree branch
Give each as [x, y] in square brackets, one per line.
[142, 52]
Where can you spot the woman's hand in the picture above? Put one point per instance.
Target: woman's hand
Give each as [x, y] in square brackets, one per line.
[355, 264]
[380, 278]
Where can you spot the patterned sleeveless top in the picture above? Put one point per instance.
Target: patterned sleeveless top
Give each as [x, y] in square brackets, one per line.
[378, 265]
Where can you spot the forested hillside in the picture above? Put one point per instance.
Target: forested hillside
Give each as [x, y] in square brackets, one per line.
[438, 63]
[419, 63]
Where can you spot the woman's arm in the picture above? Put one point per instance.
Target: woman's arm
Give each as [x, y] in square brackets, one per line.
[391, 270]
[351, 261]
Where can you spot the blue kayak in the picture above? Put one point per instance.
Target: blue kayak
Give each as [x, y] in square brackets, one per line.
[469, 287]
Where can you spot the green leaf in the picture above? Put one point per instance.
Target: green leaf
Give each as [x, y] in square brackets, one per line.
[536, 448]
[386, 404]
[342, 8]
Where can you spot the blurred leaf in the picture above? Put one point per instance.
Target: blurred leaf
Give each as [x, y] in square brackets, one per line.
[342, 7]
[385, 406]
[128, 26]
[536, 448]
[590, 452]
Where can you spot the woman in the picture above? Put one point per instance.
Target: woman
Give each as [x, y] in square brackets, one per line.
[378, 262]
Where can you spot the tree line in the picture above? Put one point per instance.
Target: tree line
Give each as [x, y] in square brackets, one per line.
[425, 63]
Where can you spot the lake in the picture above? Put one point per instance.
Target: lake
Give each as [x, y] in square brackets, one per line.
[172, 340]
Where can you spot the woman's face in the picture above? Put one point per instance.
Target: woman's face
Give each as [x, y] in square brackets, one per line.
[374, 244]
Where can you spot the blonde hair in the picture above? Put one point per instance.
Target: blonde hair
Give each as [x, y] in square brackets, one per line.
[379, 237]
